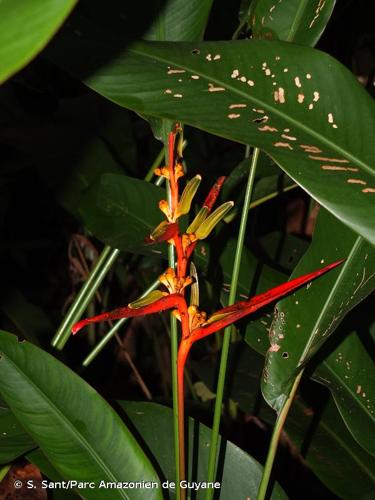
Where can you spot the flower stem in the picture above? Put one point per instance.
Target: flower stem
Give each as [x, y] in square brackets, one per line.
[227, 333]
[98, 273]
[167, 127]
[275, 439]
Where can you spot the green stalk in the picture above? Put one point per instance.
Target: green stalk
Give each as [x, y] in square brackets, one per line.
[227, 333]
[98, 273]
[275, 439]
[115, 328]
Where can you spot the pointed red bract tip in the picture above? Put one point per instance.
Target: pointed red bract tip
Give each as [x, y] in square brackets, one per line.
[244, 308]
[214, 193]
[78, 326]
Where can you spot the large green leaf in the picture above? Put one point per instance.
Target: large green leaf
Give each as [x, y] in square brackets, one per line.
[240, 473]
[179, 20]
[122, 212]
[278, 96]
[26, 26]
[332, 453]
[313, 424]
[305, 320]
[14, 441]
[298, 21]
[348, 372]
[80, 434]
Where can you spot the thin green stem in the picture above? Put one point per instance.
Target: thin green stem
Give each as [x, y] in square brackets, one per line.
[227, 333]
[98, 273]
[115, 328]
[156, 163]
[280, 421]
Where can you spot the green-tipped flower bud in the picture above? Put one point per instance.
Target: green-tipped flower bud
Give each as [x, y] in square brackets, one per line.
[208, 224]
[198, 219]
[148, 299]
[187, 196]
[194, 289]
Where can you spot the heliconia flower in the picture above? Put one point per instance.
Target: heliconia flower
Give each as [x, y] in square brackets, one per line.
[163, 232]
[196, 326]
[212, 220]
[187, 196]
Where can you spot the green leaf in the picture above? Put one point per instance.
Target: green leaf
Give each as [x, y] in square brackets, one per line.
[298, 21]
[305, 320]
[179, 20]
[269, 182]
[37, 458]
[14, 441]
[322, 138]
[313, 423]
[80, 434]
[332, 453]
[122, 212]
[348, 372]
[240, 475]
[26, 26]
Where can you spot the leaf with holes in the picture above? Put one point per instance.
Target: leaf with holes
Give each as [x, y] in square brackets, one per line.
[278, 96]
[25, 28]
[307, 318]
[80, 434]
[348, 372]
[298, 21]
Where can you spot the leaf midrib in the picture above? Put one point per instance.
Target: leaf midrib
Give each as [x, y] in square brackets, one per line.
[60, 416]
[328, 300]
[299, 125]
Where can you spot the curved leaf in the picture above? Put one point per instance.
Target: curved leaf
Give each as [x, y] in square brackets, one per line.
[349, 373]
[80, 434]
[240, 473]
[332, 453]
[277, 96]
[305, 320]
[122, 212]
[26, 26]
[181, 20]
[14, 441]
[314, 424]
[298, 21]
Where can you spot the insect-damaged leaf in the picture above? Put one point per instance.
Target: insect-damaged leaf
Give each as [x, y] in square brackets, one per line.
[278, 96]
[306, 319]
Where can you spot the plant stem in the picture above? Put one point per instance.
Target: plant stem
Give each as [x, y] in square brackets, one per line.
[227, 333]
[167, 127]
[98, 273]
[275, 439]
[104, 341]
